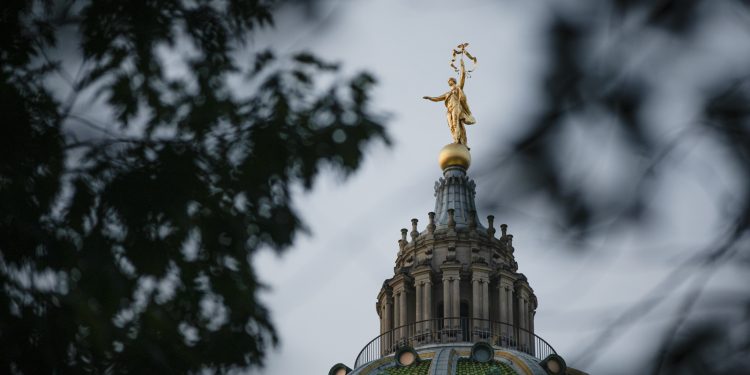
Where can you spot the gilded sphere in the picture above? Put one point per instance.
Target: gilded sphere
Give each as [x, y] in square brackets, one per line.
[454, 154]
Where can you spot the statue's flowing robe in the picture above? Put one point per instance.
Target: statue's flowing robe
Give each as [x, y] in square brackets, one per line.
[465, 112]
[466, 116]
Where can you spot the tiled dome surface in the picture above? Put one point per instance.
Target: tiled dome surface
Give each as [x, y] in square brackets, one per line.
[466, 366]
[419, 368]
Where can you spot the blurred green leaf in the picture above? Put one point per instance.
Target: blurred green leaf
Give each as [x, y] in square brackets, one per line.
[149, 230]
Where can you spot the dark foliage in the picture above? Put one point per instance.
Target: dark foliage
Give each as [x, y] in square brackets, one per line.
[591, 80]
[129, 249]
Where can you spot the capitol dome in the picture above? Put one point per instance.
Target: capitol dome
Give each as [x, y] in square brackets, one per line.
[456, 302]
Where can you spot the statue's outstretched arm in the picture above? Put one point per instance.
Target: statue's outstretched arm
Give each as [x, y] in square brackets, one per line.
[436, 99]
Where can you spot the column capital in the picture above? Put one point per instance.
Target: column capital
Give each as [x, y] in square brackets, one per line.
[422, 274]
[451, 268]
[522, 286]
[480, 272]
[385, 291]
[400, 282]
[483, 267]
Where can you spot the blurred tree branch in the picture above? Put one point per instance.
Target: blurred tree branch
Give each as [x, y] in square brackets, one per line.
[129, 249]
[598, 73]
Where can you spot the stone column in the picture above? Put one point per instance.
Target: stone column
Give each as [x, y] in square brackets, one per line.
[382, 318]
[501, 309]
[418, 300]
[475, 297]
[526, 319]
[427, 306]
[531, 321]
[399, 304]
[522, 314]
[388, 314]
[486, 299]
[480, 275]
[531, 329]
[394, 319]
[456, 297]
[446, 297]
[399, 285]
[509, 295]
[396, 308]
[422, 277]
[403, 309]
[388, 325]
[532, 311]
[521, 330]
[451, 293]
[501, 303]
[486, 323]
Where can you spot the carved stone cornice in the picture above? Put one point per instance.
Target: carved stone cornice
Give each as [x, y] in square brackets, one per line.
[400, 282]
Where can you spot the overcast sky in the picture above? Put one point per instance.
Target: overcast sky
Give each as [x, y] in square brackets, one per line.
[322, 292]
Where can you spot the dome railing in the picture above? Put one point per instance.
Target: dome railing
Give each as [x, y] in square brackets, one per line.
[452, 331]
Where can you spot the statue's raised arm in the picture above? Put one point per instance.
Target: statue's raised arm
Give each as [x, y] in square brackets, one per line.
[462, 77]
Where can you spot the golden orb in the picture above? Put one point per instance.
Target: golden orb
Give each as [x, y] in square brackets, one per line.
[454, 154]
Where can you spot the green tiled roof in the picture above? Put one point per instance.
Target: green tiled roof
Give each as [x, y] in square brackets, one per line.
[469, 367]
[415, 369]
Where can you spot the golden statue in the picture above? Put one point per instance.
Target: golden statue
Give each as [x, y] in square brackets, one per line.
[459, 113]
